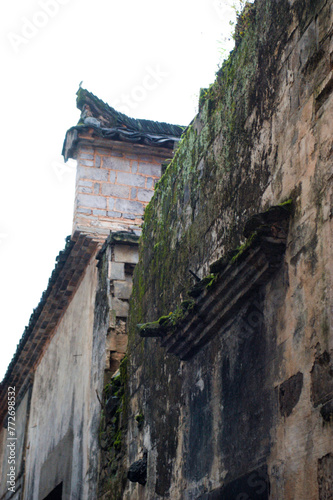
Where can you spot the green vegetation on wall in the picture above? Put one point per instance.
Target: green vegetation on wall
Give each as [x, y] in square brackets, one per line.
[209, 188]
[113, 476]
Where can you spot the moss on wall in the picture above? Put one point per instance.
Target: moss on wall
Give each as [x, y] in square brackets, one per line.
[113, 474]
[208, 189]
[214, 183]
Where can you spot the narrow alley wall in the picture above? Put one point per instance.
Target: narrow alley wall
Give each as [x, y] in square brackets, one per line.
[62, 440]
[251, 412]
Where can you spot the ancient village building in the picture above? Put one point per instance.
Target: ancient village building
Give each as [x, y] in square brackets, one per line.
[62, 363]
[222, 302]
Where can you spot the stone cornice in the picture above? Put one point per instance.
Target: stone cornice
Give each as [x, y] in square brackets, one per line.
[217, 298]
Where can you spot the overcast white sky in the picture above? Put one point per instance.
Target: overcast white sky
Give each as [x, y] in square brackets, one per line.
[47, 48]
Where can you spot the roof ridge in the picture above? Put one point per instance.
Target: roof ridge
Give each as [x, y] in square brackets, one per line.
[103, 112]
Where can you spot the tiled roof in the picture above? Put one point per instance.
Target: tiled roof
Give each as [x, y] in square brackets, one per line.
[110, 118]
[65, 278]
[108, 123]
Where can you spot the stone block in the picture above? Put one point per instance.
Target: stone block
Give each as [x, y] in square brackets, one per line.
[122, 289]
[117, 271]
[98, 161]
[121, 343]
[100, 212]
[115, 190]
[85, 184]
[86, 200]
[126, 253]
[128, 206]
[86, 163]
[135, 165]
[112, 176]
[129, 216]
[112, 213]
[96, 188]
[84, 211]
[110, 344]
[145, 194]
[149, 169]
[121, 164]
[110, 203]
[86, 156]
[134, 193]
[131, 179]
[112, 319]
[150, 182]
[85, 190]
[95, 174]
[119, 307]
[116, 342]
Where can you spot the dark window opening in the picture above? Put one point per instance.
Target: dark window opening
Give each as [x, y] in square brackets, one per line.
[55, 494]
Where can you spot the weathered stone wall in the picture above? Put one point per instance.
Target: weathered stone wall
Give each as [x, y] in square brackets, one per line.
[62, 440]
[250, 415]
[121, 262]
[116, 262]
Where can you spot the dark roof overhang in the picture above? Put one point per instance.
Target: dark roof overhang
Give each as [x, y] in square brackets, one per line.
[65, 279]
[108, 123]
[115, 134]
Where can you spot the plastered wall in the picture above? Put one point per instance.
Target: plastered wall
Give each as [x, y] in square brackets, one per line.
[62, 432]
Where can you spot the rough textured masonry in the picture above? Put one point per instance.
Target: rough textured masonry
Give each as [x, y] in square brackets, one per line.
[76, 337]
[113, 186]
[224, 305]
[249, 415]
[119, 161]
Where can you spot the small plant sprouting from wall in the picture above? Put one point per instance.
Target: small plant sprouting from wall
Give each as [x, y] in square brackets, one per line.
[112, 477]
[237, 25]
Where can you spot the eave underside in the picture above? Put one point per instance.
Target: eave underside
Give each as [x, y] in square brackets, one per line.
[64, 281]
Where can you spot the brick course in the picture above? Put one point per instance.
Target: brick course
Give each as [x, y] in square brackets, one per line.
[131, 179]
[113, 185]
